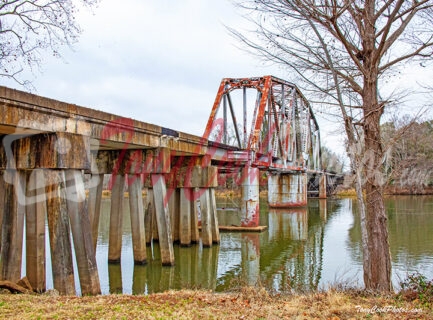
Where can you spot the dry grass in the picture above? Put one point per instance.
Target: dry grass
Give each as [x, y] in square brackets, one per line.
[346, 193]
[247, 303]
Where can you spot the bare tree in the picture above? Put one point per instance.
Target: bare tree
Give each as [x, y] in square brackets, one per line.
[341, 52]
[30, 27]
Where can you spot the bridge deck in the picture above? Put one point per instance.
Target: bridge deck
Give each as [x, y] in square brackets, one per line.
[35, 114]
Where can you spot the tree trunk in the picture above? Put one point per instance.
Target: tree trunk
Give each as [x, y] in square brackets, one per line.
[378, 275]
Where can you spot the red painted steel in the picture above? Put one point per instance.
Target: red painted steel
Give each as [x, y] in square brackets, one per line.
[282, 127]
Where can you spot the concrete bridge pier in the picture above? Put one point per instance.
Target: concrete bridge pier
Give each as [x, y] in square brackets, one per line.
[188, 216]
[44, 175]
[154, 164]
[186, 206]
[96, 182]
[116, 219]
[250, 209]
[173, 194]
[81, 232]
[322, 186]
[13, 225]
[195, 194]
[209, 218]
[205, 180]
[36, 212]
[151, 232]
[136, 209]
[163, 219]
[287, 190]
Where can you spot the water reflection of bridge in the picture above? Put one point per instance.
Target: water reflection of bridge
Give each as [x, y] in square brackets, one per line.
[287, 256]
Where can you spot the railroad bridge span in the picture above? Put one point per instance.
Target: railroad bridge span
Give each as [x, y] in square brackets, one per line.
[54, 157]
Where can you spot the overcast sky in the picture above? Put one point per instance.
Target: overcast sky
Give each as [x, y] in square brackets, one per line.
[156, 61]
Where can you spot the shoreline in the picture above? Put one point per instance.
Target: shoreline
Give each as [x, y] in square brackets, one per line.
[246, 303]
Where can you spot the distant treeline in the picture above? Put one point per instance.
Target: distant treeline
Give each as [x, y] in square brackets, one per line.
[408, 164]
[409, 161]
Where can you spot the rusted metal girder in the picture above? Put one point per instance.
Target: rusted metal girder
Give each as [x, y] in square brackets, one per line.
[284, 134]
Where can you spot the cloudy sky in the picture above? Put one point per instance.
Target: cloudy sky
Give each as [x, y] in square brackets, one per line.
[156, 61]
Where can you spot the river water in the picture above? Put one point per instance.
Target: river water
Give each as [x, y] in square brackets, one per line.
[302, 249]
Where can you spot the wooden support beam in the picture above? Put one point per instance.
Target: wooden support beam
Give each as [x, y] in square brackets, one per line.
[94, 205]
[58, 226]
[35, 230]
[81, 233]
[137, 219]
[206, 231]
[163, 220]
[186, 201]
[116, 219]
[13, 226]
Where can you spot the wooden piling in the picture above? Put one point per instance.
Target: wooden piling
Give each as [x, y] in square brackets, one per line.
[35, 230]
[137, 220]
[116, 219]
[205, 209]
[13, 226]
[94, 206]
[81, 233]
[185, 216]
[163, 220]
[58, 226]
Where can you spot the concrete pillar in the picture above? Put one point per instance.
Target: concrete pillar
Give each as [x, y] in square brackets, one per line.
[250, 210]
[186, 201]
[287, 190]
[35, 231]
[116, 219]
[58, 226]
[195, 235]
[206, 223]
[81, 233]
[137, 220]
[322, 186]
[149, 218]
[163, 219]
[2, 203]
[13, 226]
[214, 217]
[94, 206]
[174, 208]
